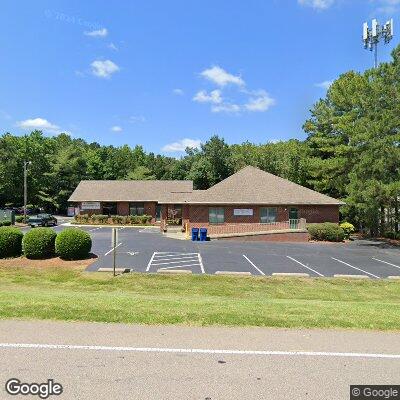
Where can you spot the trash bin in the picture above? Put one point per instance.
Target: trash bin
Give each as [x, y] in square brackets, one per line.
[203, 234]
[195, 234]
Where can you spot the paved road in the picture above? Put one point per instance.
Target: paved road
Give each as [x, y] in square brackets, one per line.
[146, 362]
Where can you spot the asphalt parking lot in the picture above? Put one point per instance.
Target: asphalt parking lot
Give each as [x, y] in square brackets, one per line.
[147, 250]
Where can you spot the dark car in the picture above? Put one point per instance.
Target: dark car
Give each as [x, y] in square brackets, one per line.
[42, 220]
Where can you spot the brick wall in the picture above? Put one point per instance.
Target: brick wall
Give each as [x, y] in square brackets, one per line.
[198, 217]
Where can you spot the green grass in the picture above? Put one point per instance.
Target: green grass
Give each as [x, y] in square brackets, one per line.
[64, 294]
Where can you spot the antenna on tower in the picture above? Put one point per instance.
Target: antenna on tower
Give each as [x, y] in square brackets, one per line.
[372, 36]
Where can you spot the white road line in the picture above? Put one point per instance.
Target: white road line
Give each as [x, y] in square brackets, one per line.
[109, 251]
[197, 351]
[305, 266]
[174, 262]
[201, 264]
[179, 266]
[352, 266]
[173, 258]
[385, 262]
[255, 266]
[94, 229]
[149, 264]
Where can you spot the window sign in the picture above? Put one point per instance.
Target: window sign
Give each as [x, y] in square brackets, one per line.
[243, 212]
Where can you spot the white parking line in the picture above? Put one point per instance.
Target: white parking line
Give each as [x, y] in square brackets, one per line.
[254, 265]
[305, 266]
[170, 254]
[179, 266]
[95, 229]
[173, 258]
[109, 251]
[201, 264]
[151, 260]
[385, 262]
[352, 266]
[175, 262]
[198, 351]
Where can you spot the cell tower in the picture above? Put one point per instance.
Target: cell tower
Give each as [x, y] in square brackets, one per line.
[371, 37]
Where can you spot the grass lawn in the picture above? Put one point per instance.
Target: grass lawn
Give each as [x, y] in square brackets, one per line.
[66, 293]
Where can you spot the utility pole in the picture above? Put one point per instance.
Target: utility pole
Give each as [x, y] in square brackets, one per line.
[371, 37]
[26, 163]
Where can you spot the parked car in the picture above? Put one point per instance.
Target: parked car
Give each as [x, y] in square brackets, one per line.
[42, 220]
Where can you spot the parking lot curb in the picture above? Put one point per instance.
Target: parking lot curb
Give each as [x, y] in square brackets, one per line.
[109, 269]
[394, 277]
[246, 273]
[351, 276]
[174, 271]
[291, 274]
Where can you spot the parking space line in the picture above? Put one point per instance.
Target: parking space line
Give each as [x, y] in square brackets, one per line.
[255, 266]
[201, 263]
[174, 258]
[179, 266]
[151, 260]
[95, 229]
[174, 262]
[305, 266]
[109, 251]
[352, 266]
[170, 253]
[385, 262]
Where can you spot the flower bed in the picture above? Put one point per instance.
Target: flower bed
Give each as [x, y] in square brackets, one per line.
[99, 219]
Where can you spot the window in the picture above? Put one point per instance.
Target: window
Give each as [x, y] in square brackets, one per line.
[136, 208]
[110, 209]
[216, 215]
[268, 214]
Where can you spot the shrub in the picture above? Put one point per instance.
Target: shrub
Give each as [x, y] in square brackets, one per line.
[19, 219]
[6, 222]
[10, 242]
[39, 243]
[327, 231]
[116, 219]
[347, 228]
[73, 244]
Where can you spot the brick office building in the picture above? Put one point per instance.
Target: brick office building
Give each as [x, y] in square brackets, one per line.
[249, 201]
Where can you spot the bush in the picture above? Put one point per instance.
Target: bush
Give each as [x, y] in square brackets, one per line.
[20, 219]
[39, 243]
[10, 242]
[327, 231]
[6, 222]
[347, 228]
[73, 244]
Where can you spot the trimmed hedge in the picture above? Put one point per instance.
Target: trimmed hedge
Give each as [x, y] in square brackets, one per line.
[6, 222]
[348, 229]
[39, 243]
[10, 242]
[73, 244]
[327, 231]
[113, 219]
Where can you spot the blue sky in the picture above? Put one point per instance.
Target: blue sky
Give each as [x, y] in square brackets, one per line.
[165, 74]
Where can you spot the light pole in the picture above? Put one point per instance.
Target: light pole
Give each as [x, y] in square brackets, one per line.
[371, 37]
[26, 163]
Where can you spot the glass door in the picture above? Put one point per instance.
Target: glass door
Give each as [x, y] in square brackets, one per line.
[158, 212]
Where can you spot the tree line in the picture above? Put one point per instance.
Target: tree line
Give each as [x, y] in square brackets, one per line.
[352, 152]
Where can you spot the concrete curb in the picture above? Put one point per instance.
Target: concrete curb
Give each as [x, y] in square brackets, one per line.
[110, 269]
[351, 276]
[174, 271]
[394, 277]
[239, 273]
[291, 274]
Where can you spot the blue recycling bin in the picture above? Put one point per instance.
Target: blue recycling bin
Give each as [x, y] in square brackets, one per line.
[195, 234]
[203, 234]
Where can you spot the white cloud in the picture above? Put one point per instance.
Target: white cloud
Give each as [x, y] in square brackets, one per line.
[116, 128]
[112, 46]
[227, 108]
[259, 101]
[317, 4]
[39, 124]
[178, 92]
[181, 145]
[104, 69]
[324, 85]
[220, 77]
[97, 33]
[136, 118]
[213, 97]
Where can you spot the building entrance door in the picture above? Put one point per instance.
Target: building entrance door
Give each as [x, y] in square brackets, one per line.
[158, 212]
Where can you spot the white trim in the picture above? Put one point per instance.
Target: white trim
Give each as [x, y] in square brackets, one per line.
[197, 351]
[352, 266]
[255, 266]
[305, 266]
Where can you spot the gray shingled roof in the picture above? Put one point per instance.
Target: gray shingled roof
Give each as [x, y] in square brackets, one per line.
[127, 190]
[251, 185]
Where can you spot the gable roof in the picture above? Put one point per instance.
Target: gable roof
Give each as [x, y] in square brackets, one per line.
[128, 190]
[251, 185]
